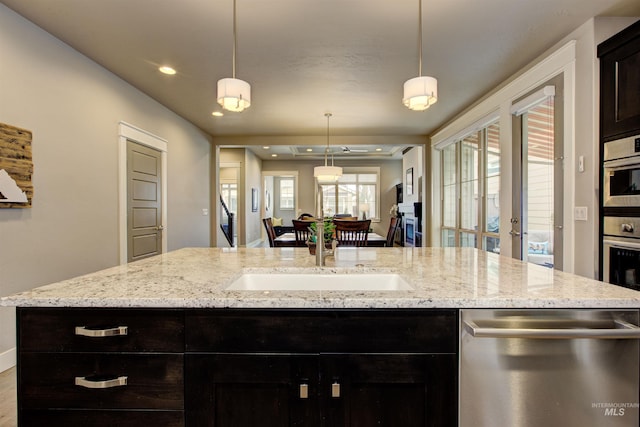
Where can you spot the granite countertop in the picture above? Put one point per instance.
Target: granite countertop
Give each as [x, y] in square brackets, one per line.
[441, 277]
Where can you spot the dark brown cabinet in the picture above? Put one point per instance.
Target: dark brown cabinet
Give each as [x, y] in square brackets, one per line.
[100, 367]
[321, 368]
[620, 84]
[237, 367]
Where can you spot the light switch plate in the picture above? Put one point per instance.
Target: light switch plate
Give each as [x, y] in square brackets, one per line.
[580, 213]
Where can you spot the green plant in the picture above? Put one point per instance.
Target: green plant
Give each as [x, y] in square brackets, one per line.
[329, 228]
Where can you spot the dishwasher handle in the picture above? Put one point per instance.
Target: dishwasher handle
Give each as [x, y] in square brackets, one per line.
[623, 330]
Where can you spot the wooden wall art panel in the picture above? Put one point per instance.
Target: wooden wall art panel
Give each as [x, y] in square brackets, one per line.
[16, 167]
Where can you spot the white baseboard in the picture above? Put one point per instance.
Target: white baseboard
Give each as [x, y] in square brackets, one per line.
[8, 359]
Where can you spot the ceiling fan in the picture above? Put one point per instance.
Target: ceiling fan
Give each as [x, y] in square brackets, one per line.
[356, 150]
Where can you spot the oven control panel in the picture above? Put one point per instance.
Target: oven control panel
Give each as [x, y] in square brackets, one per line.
[622, 226]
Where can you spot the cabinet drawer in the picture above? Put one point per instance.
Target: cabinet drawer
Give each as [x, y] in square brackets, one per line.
[52, 329]
[97, 418]
[153, 381]
[354, 331]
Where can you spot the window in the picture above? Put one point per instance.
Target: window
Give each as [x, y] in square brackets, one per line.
[229, 193]
[356, 194]
[491, 225]
[449, 186]
[471, 189]
[469, 186]
[286, 194]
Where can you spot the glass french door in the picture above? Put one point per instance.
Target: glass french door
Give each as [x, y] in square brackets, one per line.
[537, 210]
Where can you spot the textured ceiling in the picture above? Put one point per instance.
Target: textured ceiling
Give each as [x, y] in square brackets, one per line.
[307, 57]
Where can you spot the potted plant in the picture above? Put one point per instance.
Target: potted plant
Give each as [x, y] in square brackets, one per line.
[329, 234]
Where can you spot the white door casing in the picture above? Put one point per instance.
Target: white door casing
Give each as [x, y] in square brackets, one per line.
[128, 132]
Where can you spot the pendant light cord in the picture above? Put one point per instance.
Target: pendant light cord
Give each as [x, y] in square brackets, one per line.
[235, 41]
[419, 37]
[326, 151]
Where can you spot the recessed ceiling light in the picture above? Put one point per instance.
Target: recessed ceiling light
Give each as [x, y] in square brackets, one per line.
[165, 69]
[217, 114]
[266, 147]
[274, 155]
[378, 149]
[309, 149]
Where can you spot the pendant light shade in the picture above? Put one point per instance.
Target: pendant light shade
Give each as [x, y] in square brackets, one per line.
[420, 92]
[326, 173]
[234, 94]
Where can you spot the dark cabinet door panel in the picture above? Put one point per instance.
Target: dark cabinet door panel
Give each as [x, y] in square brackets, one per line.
[251, 390]
[389, 390]
[48, 380]
[54, 329]
[620, 84]
[352, 331]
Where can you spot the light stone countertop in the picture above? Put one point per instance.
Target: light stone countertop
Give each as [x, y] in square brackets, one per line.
[442, 278]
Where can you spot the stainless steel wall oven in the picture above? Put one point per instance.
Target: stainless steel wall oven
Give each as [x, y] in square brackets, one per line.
[621, 251]
[621, 180]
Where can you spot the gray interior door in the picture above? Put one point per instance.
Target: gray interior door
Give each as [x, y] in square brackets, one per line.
[144, 204]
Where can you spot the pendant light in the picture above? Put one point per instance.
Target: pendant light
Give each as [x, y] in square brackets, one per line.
[234, 94]
[326, 173]
[420, 92]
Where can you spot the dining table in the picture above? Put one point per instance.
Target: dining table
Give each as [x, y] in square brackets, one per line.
[289, 240]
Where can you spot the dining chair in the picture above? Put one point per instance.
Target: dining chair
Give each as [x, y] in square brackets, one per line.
[271, 233]
[301, 230]
[352, 233]
[391, 234]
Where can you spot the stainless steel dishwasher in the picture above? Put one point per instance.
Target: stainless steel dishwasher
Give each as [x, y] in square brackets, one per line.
[548, 368]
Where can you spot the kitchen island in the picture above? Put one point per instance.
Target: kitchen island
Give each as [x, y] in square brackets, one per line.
[163, 342]
[440, 277]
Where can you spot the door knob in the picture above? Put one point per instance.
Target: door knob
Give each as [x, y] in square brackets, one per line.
[514, 233]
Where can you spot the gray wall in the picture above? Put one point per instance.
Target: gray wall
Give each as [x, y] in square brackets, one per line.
[253, 181]
[73, 107]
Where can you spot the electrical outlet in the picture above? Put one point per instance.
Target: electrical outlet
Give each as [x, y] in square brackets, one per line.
[205, 212]
[580, 213]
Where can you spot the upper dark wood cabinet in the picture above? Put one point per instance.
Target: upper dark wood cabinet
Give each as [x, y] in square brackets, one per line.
[620, 84]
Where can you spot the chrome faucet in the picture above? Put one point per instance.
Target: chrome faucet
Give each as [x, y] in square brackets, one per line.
[321, 251]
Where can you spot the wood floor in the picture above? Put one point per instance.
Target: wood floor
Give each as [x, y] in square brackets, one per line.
[8, 411]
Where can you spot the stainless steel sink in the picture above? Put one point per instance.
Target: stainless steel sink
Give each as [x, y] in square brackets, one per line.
[378, 282]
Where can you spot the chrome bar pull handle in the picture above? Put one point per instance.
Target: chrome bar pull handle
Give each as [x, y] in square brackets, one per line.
[304, 391]
[87, 382]
[618, 330]
[335, 389]
[100, 333]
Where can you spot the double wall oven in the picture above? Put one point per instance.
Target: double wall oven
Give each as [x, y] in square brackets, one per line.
[621, 212]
